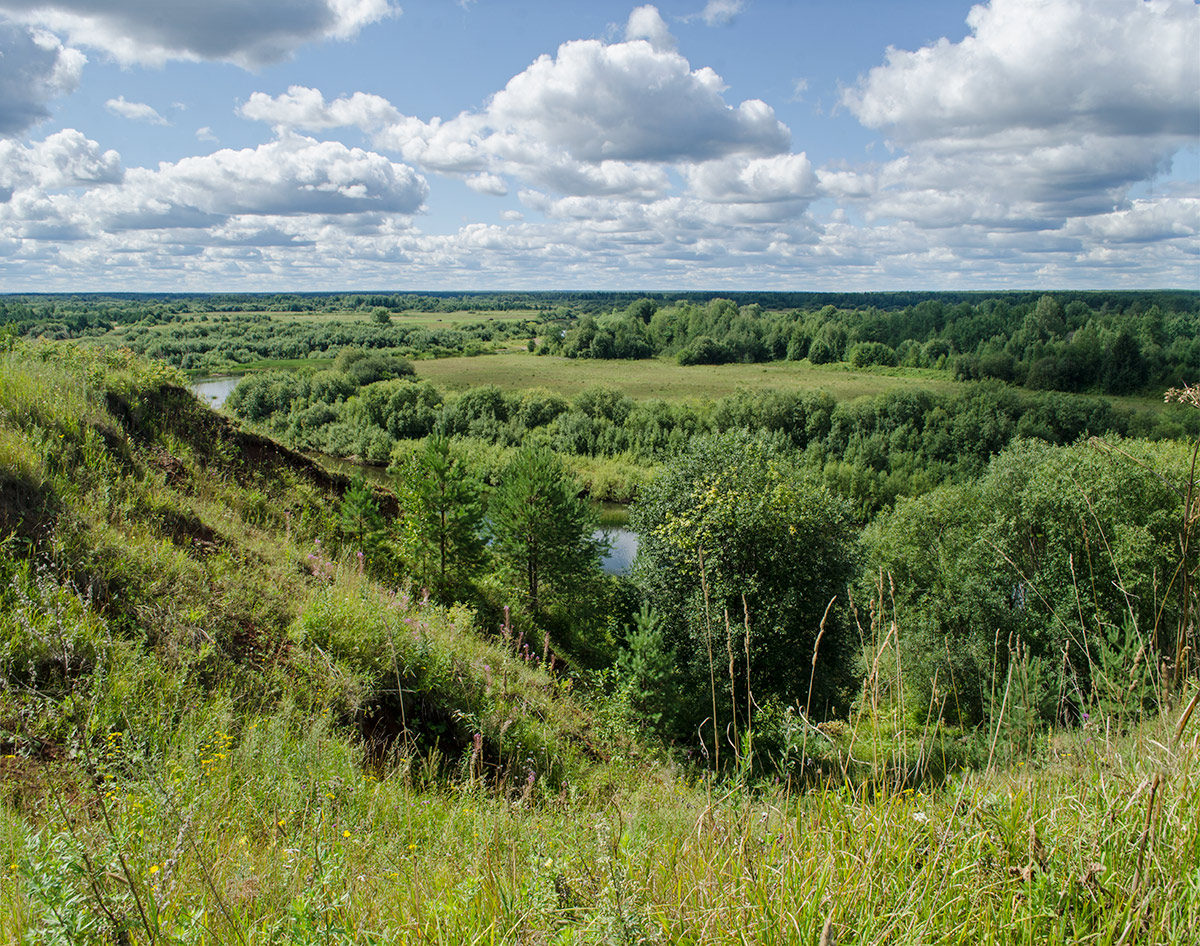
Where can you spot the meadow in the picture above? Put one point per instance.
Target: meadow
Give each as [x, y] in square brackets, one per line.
[667, 379]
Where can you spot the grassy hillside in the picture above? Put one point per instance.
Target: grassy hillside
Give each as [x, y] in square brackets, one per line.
[214, 729]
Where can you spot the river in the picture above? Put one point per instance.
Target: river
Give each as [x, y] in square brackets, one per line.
[213, 391]
[622, 543]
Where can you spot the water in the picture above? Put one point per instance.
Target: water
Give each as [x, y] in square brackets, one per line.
[623, 546]
[213, 391]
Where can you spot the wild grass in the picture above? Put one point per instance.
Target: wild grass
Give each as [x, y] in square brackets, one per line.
[267, 829]
[655, 378]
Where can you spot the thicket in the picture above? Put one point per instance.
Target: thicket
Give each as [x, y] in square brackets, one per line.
[870, 450]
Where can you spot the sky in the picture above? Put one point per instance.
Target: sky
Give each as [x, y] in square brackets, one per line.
[828, 145]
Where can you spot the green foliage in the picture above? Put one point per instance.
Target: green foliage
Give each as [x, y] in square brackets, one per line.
[442, 518]
[541, 528]
[866, 354]
[361, 522]
[734, 521]
[1060, 553]
[646, 668]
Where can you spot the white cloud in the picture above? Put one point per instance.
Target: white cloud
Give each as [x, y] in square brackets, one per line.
[318, 183]
[205, 133]
[1052, 108]
[720, 12]
[595, 120]
[1144, 221]
[35, 68]
[631, 102]
[64, 159]
[1020, 146]
[292, 175]
[135, 111]
[306, 109]
[154, 31]
[488, 184]
[647, 23]
[1108, 67]
[788, 177]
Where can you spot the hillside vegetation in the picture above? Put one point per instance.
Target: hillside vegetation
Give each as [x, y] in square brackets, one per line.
[229, 715]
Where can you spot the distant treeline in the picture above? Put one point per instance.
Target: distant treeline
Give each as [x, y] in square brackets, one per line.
[869, 450]
[1098, 342]
[1036, 342]
[230, 339]
[18, 306]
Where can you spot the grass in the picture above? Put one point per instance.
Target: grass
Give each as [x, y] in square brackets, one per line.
[666, 379]
[260, 830]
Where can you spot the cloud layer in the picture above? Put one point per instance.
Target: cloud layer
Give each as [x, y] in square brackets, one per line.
[1022, 155]
[153, 31]
[1050, 109]
[35, 68]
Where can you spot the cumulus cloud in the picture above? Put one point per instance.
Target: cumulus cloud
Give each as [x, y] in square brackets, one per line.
[787, 177]
[136, 111]
[597, 119]
[631, 102]
[154, 31]
[488, 184]
[1144, 221]
[1111, 67]
[306, 109]
[35, 68]
[647, 23]
[291, 178]
[1048, 110]
[63, 160]
[292, 175]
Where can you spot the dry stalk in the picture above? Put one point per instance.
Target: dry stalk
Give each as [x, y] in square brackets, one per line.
[712, 673]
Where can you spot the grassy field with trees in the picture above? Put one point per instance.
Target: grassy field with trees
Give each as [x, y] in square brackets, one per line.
[912, 664]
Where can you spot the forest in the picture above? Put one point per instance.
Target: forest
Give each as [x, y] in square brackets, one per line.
[1100, 342]
[950, 626]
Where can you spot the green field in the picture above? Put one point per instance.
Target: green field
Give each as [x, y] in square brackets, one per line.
[666, 379]
[422, 319]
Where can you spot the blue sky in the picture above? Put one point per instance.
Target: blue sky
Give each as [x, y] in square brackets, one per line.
[711, 144]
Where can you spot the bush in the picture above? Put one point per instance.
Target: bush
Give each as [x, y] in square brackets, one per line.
[775, 546]
[866, 354]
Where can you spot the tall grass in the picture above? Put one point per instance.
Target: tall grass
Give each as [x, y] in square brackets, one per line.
[267, 830]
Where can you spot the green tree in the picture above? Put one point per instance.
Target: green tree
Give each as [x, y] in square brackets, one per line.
[770, 538]
[1062, 549]
[541, 527]
[443, 517]
[359, 516]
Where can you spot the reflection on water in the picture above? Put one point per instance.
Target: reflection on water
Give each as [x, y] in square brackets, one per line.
[213, 391]
[622, 548]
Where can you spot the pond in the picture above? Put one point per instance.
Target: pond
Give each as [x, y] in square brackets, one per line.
[622, 548]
